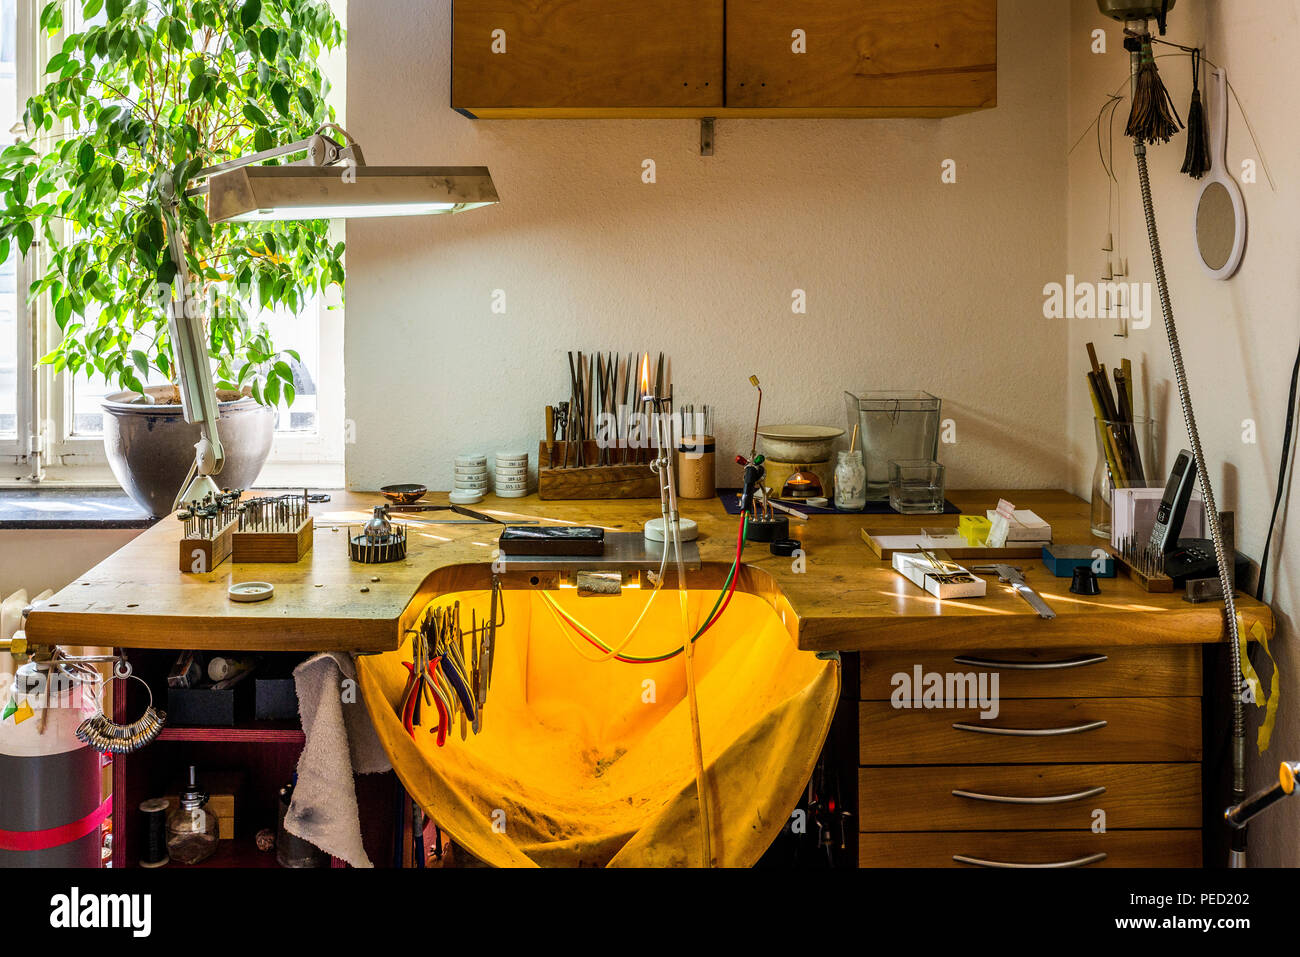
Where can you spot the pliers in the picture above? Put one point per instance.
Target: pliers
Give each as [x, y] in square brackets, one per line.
[424, 684]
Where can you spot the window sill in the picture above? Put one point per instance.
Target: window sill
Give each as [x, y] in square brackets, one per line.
[92, 475]
[87, 496]
[69, 508]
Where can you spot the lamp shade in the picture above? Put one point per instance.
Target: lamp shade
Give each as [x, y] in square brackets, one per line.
[269, 193]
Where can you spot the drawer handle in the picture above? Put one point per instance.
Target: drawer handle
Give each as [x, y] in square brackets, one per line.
[1050, 799]
[1055, 865]
[1080, 662]
[1030, 732]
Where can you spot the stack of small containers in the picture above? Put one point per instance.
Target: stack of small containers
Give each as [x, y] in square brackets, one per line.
[512, 474]
[471, 479]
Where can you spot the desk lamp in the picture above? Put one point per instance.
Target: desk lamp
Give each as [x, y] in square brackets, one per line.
[332, 181]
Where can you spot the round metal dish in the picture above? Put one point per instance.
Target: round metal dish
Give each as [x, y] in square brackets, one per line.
[403, 494]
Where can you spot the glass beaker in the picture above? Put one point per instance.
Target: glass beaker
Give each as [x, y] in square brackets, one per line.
[1126, 458]
[893, 426]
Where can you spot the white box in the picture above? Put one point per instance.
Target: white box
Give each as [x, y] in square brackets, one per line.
[917, 569]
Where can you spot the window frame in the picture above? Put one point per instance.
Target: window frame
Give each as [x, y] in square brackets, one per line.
[28, 51]
[46, 440]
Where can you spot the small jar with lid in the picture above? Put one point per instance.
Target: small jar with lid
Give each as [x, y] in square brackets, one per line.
[850, 482]
[192, 830]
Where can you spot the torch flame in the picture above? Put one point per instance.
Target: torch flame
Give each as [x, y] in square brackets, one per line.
[645, 375]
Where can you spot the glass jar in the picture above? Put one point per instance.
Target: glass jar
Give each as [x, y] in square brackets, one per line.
[894, 426]
[1126, 458]
[192, 830]
[850, 482]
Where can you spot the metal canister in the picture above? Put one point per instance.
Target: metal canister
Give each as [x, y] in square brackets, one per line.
[51, 807]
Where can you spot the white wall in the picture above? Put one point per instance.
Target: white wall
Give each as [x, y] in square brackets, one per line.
[1239, 338]
[910, 283]
[37, 559]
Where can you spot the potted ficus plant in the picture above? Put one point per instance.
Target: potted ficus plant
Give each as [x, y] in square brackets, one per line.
[148, 90]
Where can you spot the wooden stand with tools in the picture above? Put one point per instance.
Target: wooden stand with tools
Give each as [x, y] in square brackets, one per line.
[285, 547]
[634, 480]
[198, 556]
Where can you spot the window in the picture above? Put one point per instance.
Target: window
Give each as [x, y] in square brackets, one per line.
[68, 424]
[13, 385]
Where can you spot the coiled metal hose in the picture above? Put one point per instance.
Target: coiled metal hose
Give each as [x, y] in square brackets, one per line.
[1207, 490]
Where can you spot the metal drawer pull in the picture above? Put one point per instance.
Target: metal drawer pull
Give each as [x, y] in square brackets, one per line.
[1081, 662]
[1051, 799]
[1030, 732]
[1055, 865]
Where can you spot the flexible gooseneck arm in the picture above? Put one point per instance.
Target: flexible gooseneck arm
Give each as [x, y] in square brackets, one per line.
[1221, 554]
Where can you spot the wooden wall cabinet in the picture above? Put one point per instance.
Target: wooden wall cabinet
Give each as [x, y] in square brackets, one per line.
[862, 57]
[734, 58]
[576, 58]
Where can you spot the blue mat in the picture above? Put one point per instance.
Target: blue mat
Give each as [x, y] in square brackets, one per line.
[731, 502]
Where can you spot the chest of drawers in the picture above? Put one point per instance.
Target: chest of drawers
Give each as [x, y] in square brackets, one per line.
[1042, 759]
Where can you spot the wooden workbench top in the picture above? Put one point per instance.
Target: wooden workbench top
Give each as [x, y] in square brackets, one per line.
[845, 599]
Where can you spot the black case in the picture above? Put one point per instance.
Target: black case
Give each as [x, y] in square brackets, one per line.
[560, 540]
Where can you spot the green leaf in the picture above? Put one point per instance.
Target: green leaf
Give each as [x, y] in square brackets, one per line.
[115, 9]
[62, 311]
[249, 13]
[24, 233]
[178, 34]
[255, 115]
[272, 391]
[91, 7]
[307, 100]
[167, 272]
[141, 362]
[269, 43]
[86, 156]
[280, 97]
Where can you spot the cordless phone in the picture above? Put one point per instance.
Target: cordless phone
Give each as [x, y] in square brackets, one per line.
[1173, 504]
[1183, 558]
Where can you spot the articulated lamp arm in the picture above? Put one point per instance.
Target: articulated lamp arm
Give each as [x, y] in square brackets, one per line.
[193, 372]
[185, 321]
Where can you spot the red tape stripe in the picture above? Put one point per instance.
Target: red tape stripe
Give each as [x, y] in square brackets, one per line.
[56, 836]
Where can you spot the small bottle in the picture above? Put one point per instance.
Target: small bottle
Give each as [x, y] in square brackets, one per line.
[192, 831]
[850, 482]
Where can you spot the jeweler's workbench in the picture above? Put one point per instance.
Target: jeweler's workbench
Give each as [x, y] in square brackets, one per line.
[840, 597]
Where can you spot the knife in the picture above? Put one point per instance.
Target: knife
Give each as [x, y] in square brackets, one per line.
[1013, 577]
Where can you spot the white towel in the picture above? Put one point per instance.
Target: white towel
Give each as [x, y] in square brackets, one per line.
[341, 741]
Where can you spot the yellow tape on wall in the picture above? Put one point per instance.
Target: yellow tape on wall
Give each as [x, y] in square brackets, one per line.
[1254, 687]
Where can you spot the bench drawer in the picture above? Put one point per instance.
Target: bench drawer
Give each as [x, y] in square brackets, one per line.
[1039, 849]
[1171, 671]
[1034, 731]
[1029, 797]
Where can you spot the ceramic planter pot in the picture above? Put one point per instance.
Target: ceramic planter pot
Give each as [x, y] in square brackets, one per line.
[150, 447]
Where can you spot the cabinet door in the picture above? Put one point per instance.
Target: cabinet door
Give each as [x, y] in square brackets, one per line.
[586, 57]
[917, 57]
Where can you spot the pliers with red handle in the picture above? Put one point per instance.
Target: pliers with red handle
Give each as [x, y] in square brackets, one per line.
[418, 686]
